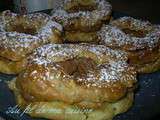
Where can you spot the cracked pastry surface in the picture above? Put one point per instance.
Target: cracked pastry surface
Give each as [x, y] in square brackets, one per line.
[85, 16]
[21, 34]
[140, 39]
[80, 37]
[83, 76]
[61, 111]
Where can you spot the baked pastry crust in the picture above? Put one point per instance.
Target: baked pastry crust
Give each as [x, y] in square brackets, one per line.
[12, 67]
[21, 34]
[79, 5]
[140, 39]
[77, 16]
[75, 82]
[61, 111]
[81, 37]
[65, 72]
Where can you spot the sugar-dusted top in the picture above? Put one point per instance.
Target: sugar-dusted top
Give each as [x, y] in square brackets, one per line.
[132, 23]
[114, 36]
[111, 65]
[60, 52]
[103, 9]
[21, 44]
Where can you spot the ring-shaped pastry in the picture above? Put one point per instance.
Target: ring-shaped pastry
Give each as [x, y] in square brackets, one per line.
[76, 16]
[103, 74]
[21, 34]
[139, 39]
[68, 76]
[57, 110]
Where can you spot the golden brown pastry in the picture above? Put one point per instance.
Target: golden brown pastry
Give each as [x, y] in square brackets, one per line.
[140, 39]
[57, 110]
[80, 37]
[79, 5]
[21, 34]
[83, 15]
[68, 77]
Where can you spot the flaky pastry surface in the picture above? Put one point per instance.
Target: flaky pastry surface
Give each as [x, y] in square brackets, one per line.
[83, 16]
[86, 75]
[140, 39]
[21, 34]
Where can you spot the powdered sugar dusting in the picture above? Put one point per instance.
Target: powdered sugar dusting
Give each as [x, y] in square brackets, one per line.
[114, 69]
[35, 20]
[133, 24]
[112, 35]
[14, 40]
[89, 17]
[108, 71]
[23, 43]
[102, 50]
[1, 24]
[47, 31]
[61, 52]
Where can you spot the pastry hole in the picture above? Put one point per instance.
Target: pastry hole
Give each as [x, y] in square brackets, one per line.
[84, 5]
[135, 33]
[22, 29]
[77, 67]
[82, 8]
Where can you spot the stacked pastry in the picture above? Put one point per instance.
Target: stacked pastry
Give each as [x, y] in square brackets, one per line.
[77, 81]
[21, 34]
[139, 39]
[81, 19]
